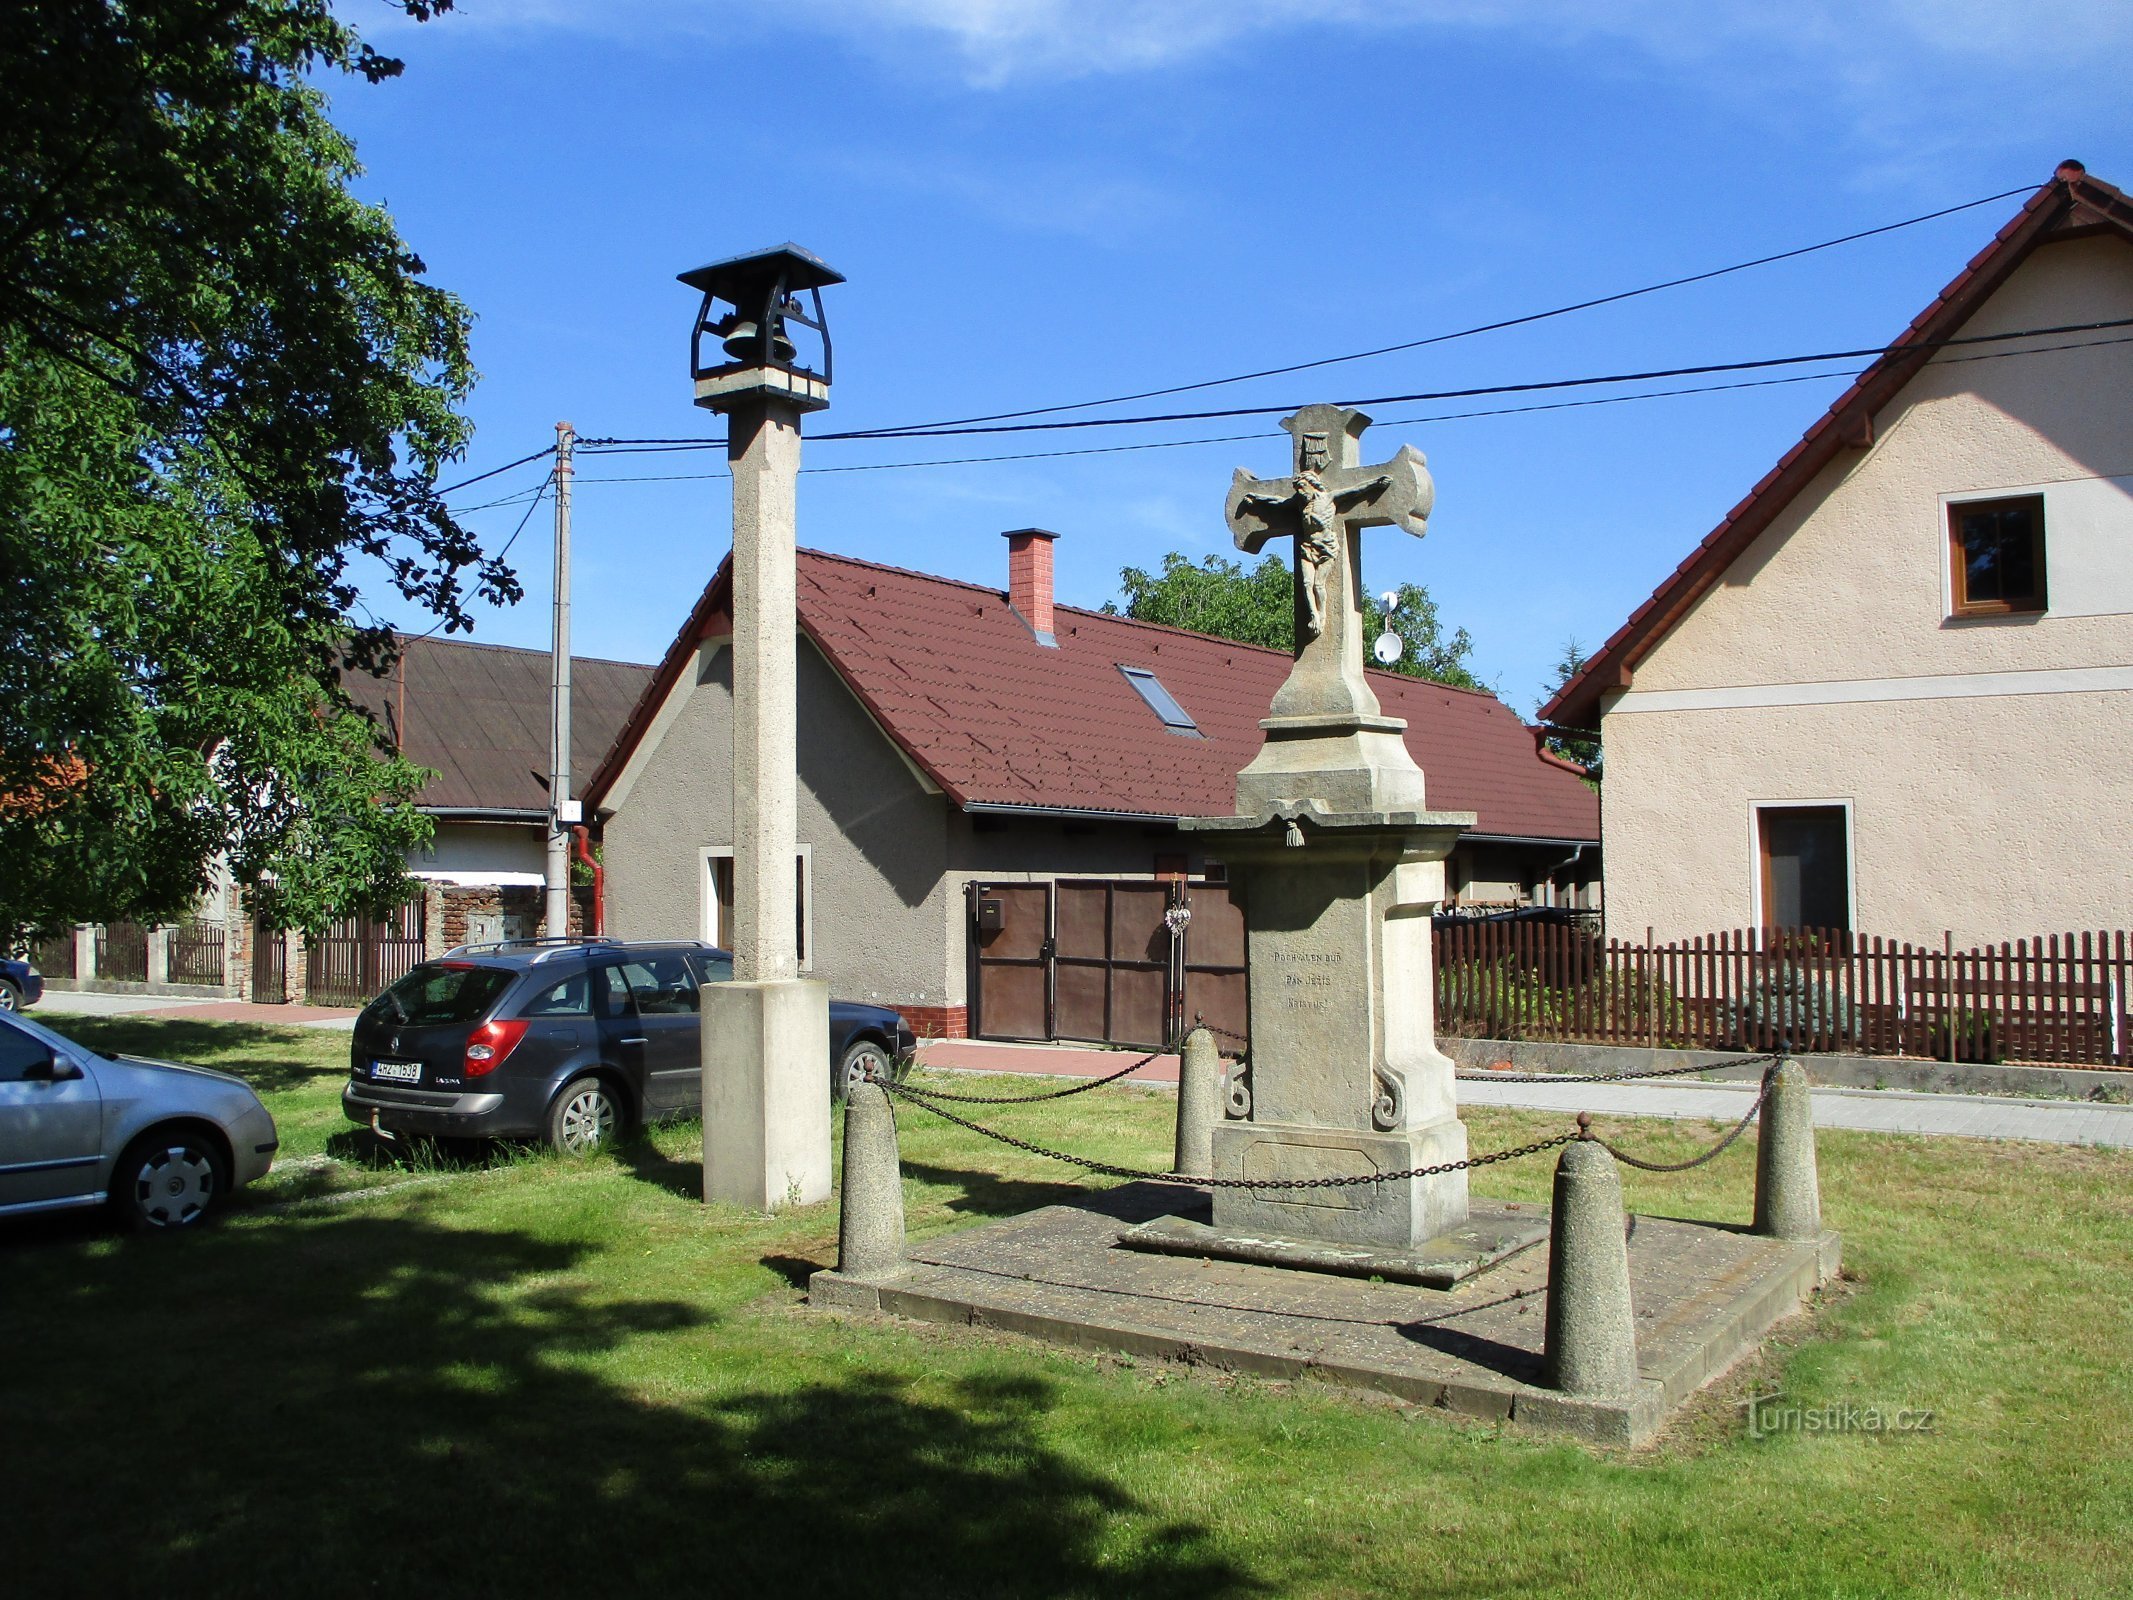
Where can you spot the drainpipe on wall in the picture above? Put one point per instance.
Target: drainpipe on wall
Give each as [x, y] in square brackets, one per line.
[1570, 860]
[583, 838]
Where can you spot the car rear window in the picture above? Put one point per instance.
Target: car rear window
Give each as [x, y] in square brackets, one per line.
[441, 992]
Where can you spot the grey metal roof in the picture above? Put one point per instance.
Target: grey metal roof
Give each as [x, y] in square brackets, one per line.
[478, 715]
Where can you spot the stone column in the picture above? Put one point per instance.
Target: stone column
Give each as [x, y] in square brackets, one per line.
[159, 954]
[766, 1034]
[84, 952]
[764, 450]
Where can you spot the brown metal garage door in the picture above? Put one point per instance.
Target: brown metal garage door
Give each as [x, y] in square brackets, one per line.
[1011, 951]
[1098, 960]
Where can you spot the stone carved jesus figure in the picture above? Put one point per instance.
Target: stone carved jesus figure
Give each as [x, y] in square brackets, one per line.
[1318, 511]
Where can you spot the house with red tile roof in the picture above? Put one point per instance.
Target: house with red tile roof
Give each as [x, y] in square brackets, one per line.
[1889, 692]
[984, 772]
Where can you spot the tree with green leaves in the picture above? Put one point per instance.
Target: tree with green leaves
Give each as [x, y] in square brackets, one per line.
[1583, 748]
[223, 378]
[1258, 606]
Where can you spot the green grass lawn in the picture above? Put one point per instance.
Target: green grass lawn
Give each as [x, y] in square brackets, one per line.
[531, 1377]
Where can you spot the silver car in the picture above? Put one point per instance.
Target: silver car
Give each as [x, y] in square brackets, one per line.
[162, 1143]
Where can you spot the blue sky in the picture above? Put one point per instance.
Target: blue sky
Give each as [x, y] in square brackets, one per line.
[1059, 200]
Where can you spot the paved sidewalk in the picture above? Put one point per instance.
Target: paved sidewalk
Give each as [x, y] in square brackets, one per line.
[1968, 1116]
[89, 1003]
[1042, 1060]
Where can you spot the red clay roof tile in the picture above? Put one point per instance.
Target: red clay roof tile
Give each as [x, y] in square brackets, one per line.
[955, 677]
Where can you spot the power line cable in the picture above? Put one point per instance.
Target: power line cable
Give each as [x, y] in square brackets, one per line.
[1233, 438]
[518, 497]
[1703, 370]
[649, 445]
[493, 472]
[1390, 422]
[1498, 326]
[639, 446]
[538, 495]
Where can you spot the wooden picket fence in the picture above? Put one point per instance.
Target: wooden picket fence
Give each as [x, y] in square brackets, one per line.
[358, 956]
[2059, 997]
[196, 952]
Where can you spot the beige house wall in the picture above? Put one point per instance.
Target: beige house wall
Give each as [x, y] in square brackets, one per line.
[1983, 760]
[874, 838]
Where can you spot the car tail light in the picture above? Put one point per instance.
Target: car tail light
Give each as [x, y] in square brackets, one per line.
[489, 1044]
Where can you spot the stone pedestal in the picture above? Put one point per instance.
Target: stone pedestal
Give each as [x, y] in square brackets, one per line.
[1345, 1077]
[766, 1093]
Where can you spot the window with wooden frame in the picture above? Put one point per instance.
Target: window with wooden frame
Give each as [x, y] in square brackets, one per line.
[1996, 556]
[718, 900]
[1804, 862]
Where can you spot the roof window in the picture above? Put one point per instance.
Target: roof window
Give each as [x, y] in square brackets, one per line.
[1161, 701]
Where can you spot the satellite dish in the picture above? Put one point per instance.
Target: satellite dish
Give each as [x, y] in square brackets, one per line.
[1389, 600]
[1389, 648]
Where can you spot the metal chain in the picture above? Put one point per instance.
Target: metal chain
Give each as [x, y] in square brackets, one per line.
[1049, 1094]
[1768, 1056]
[921, 1098]
[1560, 1077]
[924, 1100]
[1712, 1154]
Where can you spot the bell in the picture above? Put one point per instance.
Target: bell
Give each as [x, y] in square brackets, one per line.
[745, 342]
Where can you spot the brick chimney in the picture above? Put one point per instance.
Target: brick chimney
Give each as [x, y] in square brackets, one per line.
[1029, 580]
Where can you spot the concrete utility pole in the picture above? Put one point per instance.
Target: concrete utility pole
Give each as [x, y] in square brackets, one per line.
[765, 1034]
[562, 810]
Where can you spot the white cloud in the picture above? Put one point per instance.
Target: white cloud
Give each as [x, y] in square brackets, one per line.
[994, 42]
[1894, 76]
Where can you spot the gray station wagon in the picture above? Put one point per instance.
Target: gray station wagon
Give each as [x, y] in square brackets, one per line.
[571, 1041]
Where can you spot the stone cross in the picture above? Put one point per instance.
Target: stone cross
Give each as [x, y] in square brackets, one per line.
[1323, 506]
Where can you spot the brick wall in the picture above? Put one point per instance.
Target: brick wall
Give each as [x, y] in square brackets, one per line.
[937, 1022]
[519, 905]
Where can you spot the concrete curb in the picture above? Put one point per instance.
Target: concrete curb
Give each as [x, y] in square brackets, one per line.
[1826, 1071]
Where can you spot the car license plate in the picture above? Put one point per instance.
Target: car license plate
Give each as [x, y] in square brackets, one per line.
[396, 1071]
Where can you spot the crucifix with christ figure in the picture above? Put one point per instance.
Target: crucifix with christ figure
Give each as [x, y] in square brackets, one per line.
[1323, 506]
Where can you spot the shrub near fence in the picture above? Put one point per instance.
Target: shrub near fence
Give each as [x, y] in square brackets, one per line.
[2062, 998]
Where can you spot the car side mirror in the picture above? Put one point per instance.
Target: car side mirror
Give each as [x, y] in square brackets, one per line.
[51, 1069]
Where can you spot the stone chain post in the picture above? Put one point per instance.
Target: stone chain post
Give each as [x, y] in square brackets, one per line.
[1199, 1105]
[1591, 1330]
[1788, 1194]
[870, 1215]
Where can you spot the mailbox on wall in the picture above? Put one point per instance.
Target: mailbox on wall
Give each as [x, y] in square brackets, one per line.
[992, 916]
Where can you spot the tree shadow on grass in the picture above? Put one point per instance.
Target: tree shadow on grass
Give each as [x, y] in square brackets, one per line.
[270, 1058]
[387, 1404]
[987, 1194]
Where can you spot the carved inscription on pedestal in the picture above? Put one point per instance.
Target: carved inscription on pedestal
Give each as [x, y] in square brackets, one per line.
[1311, 985]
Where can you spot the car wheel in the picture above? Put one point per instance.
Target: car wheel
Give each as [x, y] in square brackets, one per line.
[586, 1116]
[168, 1180]
[10, 995]
[864, 1059]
